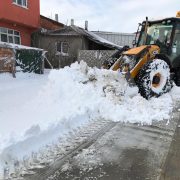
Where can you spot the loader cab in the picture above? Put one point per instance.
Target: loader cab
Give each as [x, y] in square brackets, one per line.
[166, 34]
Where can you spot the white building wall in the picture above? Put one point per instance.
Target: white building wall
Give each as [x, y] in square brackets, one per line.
[120, 39]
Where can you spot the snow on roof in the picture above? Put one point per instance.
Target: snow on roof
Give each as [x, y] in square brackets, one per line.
[112, 33]
[97, 38]
[94, 37]
[17, 46]
[90, 35]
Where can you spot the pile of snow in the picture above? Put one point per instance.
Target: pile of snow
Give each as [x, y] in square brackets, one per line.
[37, 109]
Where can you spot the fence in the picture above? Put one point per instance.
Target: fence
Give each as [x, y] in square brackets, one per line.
[94, 57]
[29, 59]
[61, 61]
[7, 60]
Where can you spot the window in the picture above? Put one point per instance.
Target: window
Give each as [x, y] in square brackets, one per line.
[10, 36]
[176, 43]
[22, 3]
[62, 48]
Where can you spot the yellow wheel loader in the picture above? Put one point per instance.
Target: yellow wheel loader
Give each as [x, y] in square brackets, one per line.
[154, 61]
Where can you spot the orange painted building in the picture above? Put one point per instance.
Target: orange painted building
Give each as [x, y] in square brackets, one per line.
[18, 19]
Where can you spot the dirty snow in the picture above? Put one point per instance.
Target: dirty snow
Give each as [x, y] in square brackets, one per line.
[37, 109]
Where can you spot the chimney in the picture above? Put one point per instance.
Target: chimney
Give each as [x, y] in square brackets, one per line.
[86, 25]
[72, 22]
[56, 18]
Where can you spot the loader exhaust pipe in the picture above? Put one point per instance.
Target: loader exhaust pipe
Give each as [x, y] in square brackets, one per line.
[145, 31]
[136, 36]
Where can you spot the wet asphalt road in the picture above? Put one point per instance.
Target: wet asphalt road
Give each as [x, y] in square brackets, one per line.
[171, 169]
[126, 152]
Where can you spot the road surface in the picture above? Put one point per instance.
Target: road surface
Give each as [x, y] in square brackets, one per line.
[121, 151]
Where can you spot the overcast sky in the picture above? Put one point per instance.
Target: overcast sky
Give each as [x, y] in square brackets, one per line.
[109, 15]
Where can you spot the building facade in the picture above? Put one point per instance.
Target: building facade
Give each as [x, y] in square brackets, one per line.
[50, 24]
[18, 20]
[121, 39]
[63, 45]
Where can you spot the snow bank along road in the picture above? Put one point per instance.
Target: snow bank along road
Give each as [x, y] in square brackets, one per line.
[41, 114]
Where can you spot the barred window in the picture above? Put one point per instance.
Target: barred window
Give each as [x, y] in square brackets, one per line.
[9, 35]
[22, 3]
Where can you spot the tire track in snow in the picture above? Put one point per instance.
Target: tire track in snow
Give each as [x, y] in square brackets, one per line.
[85, 139]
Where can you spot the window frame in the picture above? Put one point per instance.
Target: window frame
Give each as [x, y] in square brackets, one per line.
[24, 3]
[61, 51]
[8, 34]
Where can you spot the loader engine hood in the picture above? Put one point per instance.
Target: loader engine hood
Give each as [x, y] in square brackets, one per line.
[153, 49]
[135, 51]
[133, 59]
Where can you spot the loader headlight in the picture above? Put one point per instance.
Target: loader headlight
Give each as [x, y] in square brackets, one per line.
[128, 62]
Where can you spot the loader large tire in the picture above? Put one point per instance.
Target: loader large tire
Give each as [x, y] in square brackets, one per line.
[154, 79]
[177, 77]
